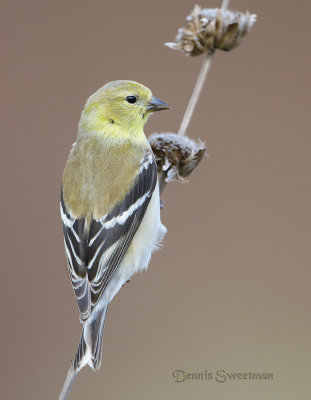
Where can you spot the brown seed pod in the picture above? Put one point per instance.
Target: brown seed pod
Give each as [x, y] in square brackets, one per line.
[212, 28]
[176, 156]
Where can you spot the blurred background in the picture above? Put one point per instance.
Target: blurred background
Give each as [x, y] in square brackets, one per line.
[230, 290]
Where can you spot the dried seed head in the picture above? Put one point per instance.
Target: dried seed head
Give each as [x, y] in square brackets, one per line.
[212, 28]
[176, 156]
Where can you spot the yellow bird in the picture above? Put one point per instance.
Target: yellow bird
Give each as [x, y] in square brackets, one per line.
[110, 207]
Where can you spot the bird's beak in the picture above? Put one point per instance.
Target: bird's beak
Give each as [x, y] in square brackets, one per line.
[157, 105]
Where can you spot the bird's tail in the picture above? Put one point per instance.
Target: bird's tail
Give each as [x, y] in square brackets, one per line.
[90, 346]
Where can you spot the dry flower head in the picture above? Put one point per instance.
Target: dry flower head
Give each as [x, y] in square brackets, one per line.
[212, 28]
[176, 156]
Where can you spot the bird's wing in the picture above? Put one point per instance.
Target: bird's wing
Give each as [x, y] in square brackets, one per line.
[94, 254]
[75, 240]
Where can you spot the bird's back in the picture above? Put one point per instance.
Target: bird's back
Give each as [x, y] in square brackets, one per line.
[94, 165]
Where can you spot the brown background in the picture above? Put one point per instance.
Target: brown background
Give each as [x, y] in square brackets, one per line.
[231, 288]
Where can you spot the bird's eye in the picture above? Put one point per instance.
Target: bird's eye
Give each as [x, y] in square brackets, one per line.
[131, 99]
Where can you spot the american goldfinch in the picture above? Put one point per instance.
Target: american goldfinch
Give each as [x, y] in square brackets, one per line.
[110, 205]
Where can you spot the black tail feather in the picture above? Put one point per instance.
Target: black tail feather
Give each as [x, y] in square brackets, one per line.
[97, 339]
[90, 346]
[80, 354]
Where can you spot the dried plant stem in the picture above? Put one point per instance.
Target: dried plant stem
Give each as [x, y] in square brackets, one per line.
[71, 377]
[225, 4]
[195, 94]
[199, 85]
[162, 182]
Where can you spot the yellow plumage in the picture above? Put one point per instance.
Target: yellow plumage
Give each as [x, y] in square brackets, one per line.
[107, 111]
[110, 143]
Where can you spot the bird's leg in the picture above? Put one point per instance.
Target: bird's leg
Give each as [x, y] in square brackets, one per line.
[126, 282]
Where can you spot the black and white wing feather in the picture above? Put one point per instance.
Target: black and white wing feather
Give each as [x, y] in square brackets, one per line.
[95, 252]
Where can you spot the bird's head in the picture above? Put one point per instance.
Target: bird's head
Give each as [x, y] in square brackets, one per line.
[119, 108]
